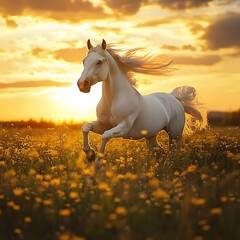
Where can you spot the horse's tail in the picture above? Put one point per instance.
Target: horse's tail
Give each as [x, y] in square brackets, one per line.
[196, 118]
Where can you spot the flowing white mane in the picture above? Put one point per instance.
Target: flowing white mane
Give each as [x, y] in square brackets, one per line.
[129, 62]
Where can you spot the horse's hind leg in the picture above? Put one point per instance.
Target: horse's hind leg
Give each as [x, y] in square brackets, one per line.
[175, 136]
[154, 146]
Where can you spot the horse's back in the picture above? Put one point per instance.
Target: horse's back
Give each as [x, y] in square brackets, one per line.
[157, 112]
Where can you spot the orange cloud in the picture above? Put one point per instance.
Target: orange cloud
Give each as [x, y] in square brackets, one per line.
[33, 84]
[205, 60]
[70, 54]
[60, 10]
[223, 32]
[65, 54]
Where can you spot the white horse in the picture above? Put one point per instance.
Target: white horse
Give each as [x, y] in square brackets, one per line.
[122, 111]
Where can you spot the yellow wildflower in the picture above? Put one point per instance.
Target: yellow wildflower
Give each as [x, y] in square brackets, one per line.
[17, 231]
[103, 186]
[204, 176]
[144, 132]
[27, 219]
[73, 195]
[112, 216]
[121, 211]
[17, 192]
[192, 168]
[223, 199]
[38, 200]
[55, 182]
[16, 207]
[216, 211]
[154, 182]
[33, 154]
[205, 227]
[160, 194]
[64, 212]
[47, 202]
[198, 201]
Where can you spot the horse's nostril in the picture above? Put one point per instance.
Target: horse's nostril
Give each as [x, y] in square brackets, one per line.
[86, 83]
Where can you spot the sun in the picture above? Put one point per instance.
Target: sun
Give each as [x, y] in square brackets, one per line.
[71, 104]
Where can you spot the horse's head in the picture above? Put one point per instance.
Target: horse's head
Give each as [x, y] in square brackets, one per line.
[95, 67]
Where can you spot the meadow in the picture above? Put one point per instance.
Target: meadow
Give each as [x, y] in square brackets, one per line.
[49, 191]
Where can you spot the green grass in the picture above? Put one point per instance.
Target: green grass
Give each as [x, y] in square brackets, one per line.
[49, 191]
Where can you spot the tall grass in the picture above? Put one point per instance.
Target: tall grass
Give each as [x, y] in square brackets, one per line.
[49, 191]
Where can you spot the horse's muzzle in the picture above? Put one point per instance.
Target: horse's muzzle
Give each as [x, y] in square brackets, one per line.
[84, 86]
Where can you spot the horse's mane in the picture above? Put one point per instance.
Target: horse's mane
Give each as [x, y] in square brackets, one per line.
[131, 63]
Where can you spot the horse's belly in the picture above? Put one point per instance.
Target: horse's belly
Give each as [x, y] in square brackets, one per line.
[151, 120]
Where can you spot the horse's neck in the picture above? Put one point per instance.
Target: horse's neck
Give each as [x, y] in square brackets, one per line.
[116, 84]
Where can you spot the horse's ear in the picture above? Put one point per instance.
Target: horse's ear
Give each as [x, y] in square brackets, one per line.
[89, 45]
[104, 44]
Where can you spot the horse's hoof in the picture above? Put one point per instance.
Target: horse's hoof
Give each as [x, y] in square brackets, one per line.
[91, 155]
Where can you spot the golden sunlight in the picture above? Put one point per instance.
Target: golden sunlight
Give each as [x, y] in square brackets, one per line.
[74, 105]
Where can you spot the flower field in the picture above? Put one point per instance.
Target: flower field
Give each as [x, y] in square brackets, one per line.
[49, 191]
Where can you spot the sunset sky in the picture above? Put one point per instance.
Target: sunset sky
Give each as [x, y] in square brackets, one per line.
[42, 44]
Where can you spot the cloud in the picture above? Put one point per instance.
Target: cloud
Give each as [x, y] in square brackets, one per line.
[174, 48]
[33, 84]
[70, 54]
[65, 54]
[205, 60]
[72, 10]
[125, 6]
[183, 4]
[224, 32]
[131, 7]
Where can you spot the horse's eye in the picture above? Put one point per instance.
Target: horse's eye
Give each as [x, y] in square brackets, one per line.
[99, 62]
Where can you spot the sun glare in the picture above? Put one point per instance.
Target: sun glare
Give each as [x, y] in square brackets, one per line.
[76, 105]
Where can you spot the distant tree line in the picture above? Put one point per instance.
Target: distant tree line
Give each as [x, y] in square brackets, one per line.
[224, 118]
[38, 124]
[214, 119]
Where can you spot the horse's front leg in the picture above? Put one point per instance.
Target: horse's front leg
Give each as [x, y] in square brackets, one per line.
[120, 130]
[96, 127]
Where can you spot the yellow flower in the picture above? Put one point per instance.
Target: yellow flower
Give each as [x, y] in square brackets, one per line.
[33, 154]
[223, 199]
[64, 236]
[192, 168]
[55, 182]
[103, 186]
[78, 238]
[2, 163]
[154, 182]
[16, 207]
[216, 211]
[142, 195]
[198, 238]
[64, 212]
[54, 153]
[112, 216]
[205, 227]
[17, 231]
[38, 200]
[204, 176]
[121, 211]
[198, 201]
[27, 219]
[17, 192]
[32, 171]
[48, 177]
[144, 132]
[73, 195]
[160, 194]
[108, 173]
[10, 203]
[47, 202]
